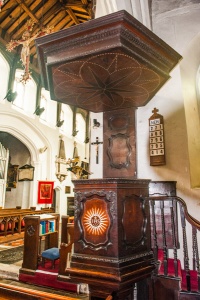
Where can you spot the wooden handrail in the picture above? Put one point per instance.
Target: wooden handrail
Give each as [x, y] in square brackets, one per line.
[40, 294]
[188, 217]
[168, 224]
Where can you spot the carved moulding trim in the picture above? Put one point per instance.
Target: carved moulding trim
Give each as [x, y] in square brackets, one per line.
[112, 180]
[30, 230]
[143, 239]
[81, 41]
[113, 260]
[128, 36]
[79, 203]
[126, 163]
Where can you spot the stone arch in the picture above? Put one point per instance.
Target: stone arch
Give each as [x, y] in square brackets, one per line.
[34, 140]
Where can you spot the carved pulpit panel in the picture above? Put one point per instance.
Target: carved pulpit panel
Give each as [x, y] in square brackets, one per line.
[134, 212]
[119, 155]
[95, 221]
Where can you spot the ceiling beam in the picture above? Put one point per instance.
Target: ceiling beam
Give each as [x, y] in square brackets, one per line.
[85, 2]
[72, 15]
[27, 10]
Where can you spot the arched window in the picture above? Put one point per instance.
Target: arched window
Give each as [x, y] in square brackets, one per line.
[80, 127]
[26, 93]
[66, 115]
[50, 108]
[4, 75]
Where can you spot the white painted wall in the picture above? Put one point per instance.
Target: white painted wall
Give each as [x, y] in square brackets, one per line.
[180, 29]
[35, 135]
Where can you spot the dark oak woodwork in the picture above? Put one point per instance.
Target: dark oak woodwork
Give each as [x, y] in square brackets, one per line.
[119, 143]
[33, 240]
[70, 206]
[178, 272]
[11, 291]
[165, 288]
[162, 188]
[111, 235]
[67, 241]
[12, 219]
[109, 63]
[163, 211]
[189, 296]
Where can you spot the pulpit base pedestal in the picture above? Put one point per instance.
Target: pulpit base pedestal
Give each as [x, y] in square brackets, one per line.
[111, 236]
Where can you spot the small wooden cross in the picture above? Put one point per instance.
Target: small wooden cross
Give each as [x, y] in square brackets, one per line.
[155, 111]
[97, 149]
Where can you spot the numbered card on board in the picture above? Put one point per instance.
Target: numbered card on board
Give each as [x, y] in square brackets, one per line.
[156, 139]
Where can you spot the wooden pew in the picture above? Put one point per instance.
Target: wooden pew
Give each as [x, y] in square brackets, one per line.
[11, 219]
[66, 245]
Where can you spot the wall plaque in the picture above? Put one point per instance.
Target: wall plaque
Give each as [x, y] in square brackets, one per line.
[156, 139]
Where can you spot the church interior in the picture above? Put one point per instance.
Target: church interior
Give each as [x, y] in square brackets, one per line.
[99, 149]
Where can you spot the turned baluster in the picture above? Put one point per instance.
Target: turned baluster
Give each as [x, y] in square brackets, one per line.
[194, 245]
[185, 248]
[174, 238]
[195, 251]
[154, 232]
[164, 238]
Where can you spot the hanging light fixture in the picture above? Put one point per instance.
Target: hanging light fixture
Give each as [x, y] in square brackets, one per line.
[61, 162]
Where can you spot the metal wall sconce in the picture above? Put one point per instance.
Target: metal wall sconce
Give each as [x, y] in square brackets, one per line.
[96, 124]
[74, 133]
[39, 110]
[10, 96]
[59, 123]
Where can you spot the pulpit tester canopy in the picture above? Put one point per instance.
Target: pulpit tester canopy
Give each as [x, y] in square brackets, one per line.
[108, 63]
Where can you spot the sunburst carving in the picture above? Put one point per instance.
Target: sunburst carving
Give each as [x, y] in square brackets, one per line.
[95, 221]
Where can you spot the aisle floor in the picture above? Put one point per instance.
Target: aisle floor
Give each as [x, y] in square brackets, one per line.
[9, 274]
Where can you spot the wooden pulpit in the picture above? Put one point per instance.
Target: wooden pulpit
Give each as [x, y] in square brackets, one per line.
[112, 238]
[113, 65]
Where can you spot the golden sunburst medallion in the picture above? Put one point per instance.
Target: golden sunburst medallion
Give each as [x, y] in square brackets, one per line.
[95, 221]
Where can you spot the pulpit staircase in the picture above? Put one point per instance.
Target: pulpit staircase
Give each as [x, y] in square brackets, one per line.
[175, 238]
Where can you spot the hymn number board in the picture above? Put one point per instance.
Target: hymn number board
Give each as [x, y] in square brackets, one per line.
[156, 139]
